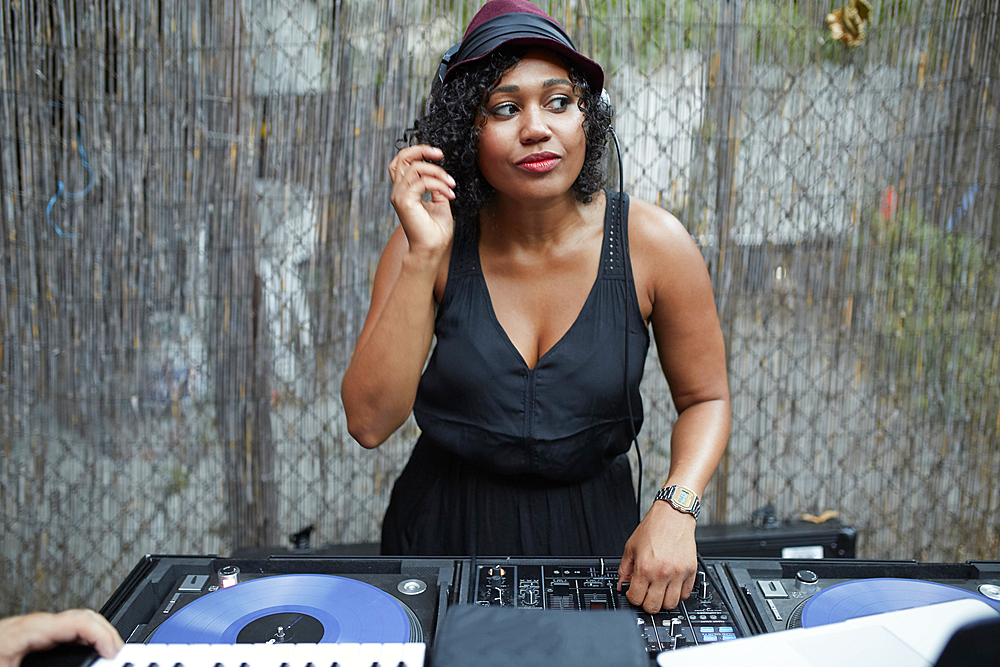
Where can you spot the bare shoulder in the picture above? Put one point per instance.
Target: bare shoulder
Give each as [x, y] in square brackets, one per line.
[661, 248]
[657, 229]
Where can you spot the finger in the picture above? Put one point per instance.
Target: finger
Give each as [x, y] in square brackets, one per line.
[680, 588]
[83, 626]
[656, 595]
[636, 592]
[688, 587]
[102, 635]
[625, 567]
[438, 189]
[442, 198]
[638, 586]
[418, 170]
[419, 152]
[420, 178]
[671, 596]
[414, 155]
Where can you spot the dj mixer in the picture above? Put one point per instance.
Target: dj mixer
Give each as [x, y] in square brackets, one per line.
[588, 585]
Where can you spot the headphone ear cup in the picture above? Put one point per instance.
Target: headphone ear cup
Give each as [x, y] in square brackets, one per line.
[606, 101]
[446, 61]
[606, 98]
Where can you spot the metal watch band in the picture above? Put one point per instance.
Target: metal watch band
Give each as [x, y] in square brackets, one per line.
[668, 494]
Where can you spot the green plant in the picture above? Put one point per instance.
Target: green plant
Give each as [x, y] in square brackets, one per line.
[935, 318]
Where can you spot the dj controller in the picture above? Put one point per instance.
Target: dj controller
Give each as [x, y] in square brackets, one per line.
[308, 606]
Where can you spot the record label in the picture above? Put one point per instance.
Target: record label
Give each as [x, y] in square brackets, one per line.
[285, 628]
[865, 597]
[291, 608]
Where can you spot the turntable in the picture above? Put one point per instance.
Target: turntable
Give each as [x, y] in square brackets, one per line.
[297, 599]
[786, 594]
[283, 610]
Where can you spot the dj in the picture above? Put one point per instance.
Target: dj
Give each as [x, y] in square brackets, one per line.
[540, 287]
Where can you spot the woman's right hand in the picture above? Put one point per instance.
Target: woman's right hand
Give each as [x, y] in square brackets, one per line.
[428, 225]
[381, 382]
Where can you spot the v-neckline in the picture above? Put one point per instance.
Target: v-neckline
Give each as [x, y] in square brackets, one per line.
[583, 307]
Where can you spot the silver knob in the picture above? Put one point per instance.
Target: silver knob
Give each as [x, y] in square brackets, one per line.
[991, 591]
[703, 591]
[805, 580]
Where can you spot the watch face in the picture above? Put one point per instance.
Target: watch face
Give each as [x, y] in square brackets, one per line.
[684, 498]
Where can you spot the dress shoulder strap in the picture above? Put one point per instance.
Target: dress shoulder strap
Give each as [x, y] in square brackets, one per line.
[615, 235]
[464, 253]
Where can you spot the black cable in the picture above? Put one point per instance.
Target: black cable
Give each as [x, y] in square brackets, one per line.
[629, 284]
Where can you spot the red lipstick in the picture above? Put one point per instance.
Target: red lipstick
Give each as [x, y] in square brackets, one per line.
[539, 163]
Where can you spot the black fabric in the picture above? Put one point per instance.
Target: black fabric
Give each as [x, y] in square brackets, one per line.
[64, 655]
[500, 637]
[975, 645]
[525, 461]
[443, 506]
[499, 29]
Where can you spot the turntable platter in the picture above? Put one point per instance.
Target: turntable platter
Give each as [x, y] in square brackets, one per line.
[293, 608]
[865, 597]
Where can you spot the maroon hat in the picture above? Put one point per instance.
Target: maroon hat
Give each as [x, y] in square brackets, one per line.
[502, 22]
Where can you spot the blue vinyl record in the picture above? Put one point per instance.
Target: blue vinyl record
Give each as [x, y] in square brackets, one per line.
[335, 609]
[865, 597]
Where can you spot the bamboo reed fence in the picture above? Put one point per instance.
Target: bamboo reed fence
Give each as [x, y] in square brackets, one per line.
[193, 198]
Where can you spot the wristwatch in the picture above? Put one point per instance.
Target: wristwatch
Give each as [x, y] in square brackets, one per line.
[681, 498]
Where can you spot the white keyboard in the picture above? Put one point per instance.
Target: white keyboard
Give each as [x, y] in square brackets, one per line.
[267, 655]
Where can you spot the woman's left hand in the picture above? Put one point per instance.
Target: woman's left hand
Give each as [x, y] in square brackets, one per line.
[660, 560]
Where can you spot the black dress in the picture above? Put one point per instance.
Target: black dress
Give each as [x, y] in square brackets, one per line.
[518, 461]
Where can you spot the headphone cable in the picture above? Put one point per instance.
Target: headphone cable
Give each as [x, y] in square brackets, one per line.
[629, 283]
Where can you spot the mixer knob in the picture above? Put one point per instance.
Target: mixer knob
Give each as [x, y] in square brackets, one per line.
[702, 586]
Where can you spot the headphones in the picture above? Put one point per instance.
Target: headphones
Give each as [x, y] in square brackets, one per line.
[515, 27]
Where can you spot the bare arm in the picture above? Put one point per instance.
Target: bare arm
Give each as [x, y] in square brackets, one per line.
[381, 381]
[21, 635]
[660, 558]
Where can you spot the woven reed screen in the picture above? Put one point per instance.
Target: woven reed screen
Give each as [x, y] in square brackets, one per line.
[194, 198]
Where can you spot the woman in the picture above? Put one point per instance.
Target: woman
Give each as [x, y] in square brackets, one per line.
[539, 287]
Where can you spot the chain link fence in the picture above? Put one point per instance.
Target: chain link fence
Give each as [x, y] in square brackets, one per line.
[194, 199]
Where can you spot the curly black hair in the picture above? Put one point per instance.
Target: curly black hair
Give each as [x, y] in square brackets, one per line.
[450, 123]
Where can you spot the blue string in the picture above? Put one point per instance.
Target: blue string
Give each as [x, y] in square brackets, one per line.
[61, 187]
